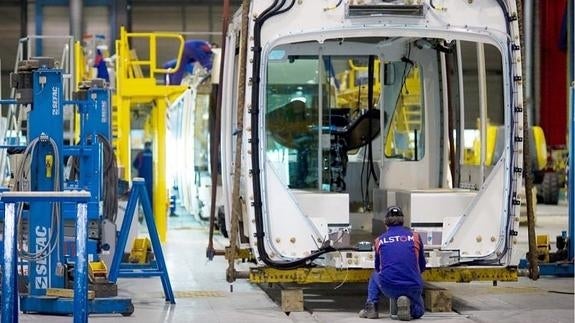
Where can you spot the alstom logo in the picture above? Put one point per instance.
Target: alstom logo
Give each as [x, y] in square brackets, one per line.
[41, 270]
[396, 239]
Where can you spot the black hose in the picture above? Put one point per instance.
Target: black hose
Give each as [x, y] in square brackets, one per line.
[110, 180]
[370, 84]
[509, 18]
[505, 9]
[273, 10]
[109, 188]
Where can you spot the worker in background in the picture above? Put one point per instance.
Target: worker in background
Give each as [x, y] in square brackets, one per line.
[399, 262]
[100, 65]
[144, 164]
[194, 51]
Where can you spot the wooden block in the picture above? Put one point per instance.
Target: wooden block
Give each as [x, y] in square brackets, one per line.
[437, 299]
[66, 293]
[292, 300]
[104, 289]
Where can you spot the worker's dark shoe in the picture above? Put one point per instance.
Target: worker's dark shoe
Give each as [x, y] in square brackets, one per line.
[369, 311]
[393, 308]
[404, 308]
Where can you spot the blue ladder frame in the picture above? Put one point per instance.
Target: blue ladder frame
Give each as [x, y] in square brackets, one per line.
[118, 269]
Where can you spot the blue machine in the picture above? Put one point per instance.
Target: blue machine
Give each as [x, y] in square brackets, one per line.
[38, 84]
[45, 143]
[94, 167]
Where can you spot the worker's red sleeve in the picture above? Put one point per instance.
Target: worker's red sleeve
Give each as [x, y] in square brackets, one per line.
[419, 254]
[377, 260]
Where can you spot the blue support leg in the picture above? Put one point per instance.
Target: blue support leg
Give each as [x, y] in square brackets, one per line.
[81, 268]
[156, 245]
[9, 281]
[123, 238]
[149, 270]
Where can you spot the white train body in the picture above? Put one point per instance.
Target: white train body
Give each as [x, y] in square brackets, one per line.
[320, 165]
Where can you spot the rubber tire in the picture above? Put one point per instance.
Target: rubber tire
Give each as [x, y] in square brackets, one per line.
[130, 311]
[550, 188]
[221, 221]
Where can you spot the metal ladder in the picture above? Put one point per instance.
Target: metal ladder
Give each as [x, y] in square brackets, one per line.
[15, 116]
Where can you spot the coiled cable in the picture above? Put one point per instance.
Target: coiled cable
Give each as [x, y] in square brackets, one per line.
[20, 178]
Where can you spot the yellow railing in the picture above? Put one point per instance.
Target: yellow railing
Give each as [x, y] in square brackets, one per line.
[128, 63]
[80, 70]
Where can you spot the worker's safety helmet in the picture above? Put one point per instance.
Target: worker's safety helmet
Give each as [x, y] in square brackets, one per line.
[394, 216]
[394, 211]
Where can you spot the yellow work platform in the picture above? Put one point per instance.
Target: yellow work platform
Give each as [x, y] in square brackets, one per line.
[137, 83]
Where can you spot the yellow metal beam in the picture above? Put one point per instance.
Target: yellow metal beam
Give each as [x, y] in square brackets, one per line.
[122, 141]
[333, 275]
[160, 189]
[79, 75]
[260, 275]
[468, 274]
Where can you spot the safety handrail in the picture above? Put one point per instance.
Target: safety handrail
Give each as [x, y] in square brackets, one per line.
[127, 61]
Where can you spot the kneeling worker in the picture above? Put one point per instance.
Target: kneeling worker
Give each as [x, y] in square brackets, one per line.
[399, 262]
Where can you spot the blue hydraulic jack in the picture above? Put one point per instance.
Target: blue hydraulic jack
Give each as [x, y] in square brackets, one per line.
[40, 86]
[158, 268]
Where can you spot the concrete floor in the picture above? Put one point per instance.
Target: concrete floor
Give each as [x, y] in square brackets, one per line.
[203, 295]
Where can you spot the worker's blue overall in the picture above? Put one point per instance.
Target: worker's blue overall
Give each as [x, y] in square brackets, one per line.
[144, 163]
[100, 65]
[399, 261]
[194, 51]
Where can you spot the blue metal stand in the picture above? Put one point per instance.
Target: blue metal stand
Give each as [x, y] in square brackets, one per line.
[9, 274]
[149, 270]
[39, 84]
[559, 269]
[79, 306]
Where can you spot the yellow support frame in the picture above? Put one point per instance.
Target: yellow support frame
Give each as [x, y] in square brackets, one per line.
[132, 87]
[260, 275]
[80, 74]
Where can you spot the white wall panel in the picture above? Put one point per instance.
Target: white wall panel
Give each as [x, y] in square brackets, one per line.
[160, 18]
